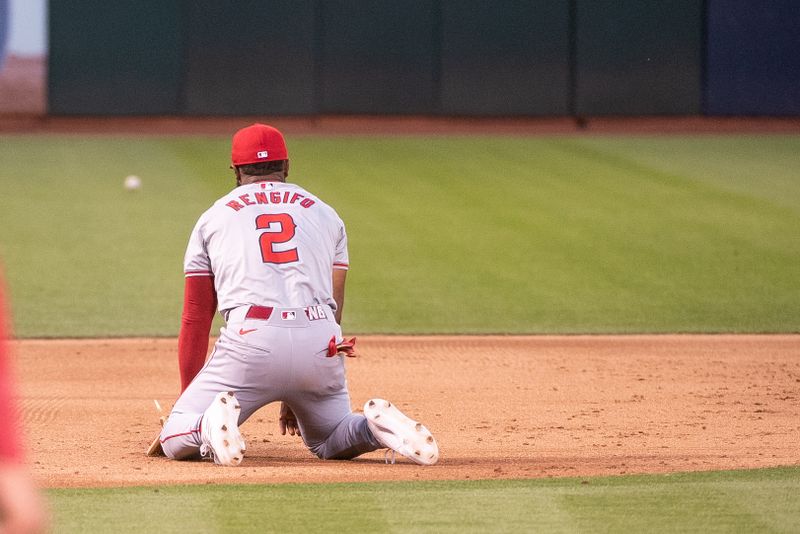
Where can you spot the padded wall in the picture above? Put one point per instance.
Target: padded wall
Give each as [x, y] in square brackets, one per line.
[463, 57]
[638, 57]
[753, 61]
[380, 56]
[505, 57]
[121, 57]
[256, 58]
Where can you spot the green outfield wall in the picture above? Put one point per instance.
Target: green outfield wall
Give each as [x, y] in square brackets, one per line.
[638, 57]
[450, 57]
[122, 57]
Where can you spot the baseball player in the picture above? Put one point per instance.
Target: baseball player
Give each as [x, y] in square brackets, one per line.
[21, 506]
[272, 258]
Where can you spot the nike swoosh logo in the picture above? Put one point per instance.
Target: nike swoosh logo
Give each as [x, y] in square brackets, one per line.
[242, 331]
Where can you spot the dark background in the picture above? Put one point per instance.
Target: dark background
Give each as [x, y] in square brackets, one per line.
[432, 57]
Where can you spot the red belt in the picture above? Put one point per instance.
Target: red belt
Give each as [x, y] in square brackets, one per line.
[259, 312]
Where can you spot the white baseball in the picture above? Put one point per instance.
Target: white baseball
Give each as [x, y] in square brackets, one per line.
[133, 182]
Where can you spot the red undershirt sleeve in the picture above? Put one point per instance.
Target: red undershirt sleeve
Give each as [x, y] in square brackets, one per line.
[199, 305]
[10, 443]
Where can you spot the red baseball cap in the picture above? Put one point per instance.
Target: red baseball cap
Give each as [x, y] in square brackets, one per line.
[257, 143]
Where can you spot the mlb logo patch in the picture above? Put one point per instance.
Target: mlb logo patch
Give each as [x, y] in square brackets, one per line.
[288, 315]
[262, 154]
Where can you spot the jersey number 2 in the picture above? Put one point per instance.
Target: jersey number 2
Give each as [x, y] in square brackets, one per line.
[279, 228]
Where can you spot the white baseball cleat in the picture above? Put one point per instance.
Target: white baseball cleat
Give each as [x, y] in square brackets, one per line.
[219, 431]
[399, 433]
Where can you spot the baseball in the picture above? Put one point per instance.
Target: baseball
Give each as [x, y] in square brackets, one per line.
[133, 182]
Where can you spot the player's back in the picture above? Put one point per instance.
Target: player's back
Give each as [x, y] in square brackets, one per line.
[269, 244]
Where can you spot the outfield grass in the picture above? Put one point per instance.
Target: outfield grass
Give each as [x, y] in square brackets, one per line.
[765, 500]
[447, 234]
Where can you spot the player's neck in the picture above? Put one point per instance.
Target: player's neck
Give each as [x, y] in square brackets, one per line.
[246, 179]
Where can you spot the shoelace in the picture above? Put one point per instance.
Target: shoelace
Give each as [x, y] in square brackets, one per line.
[206, 451]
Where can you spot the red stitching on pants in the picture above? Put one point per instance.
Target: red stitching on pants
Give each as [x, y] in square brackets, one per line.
[179, 435]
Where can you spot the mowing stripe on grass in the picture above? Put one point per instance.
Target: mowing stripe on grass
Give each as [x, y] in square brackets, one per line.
[447, 234]
[766, 500]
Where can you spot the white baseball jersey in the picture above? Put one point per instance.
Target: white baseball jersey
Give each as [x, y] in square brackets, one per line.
[268, 244]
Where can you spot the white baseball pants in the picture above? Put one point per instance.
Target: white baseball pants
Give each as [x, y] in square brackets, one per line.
[279, 358]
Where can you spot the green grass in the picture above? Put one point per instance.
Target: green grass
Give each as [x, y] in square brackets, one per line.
[736, 501]
[447, 234]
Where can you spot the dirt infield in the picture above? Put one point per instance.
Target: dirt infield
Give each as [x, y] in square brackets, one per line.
[500, 407]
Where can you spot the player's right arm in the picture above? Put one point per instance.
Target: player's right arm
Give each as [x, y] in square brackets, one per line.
[341, 263]
[339, 278]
